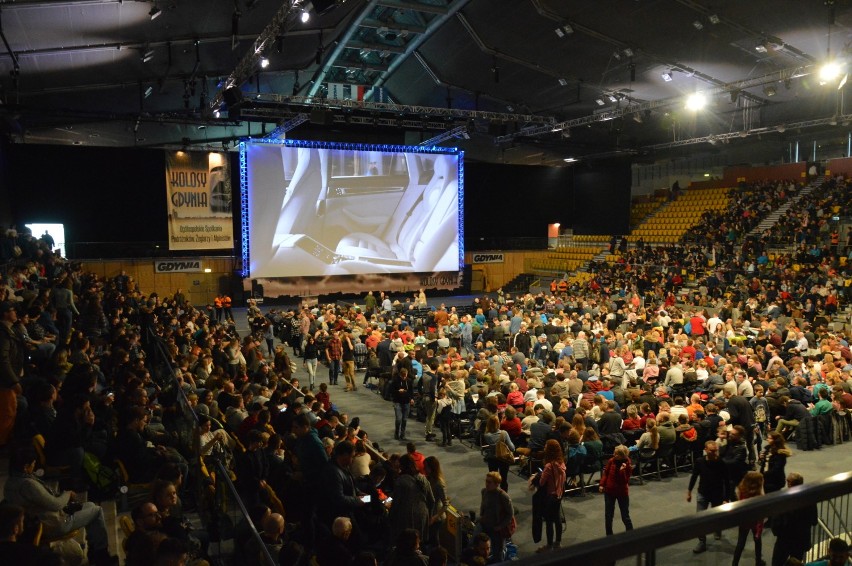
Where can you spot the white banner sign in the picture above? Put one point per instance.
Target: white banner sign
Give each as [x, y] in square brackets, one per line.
[488, 258]
[177, 266]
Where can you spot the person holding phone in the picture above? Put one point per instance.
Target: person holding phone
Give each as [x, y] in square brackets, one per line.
[402, 402]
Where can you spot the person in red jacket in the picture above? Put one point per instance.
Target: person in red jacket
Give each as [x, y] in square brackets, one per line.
[614, 485]
[417, 457]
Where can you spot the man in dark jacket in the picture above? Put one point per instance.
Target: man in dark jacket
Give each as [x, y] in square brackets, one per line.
[401, 394]
[741, 414]
[735, 456]
[794, 412]
[712, 476]
[338, 496]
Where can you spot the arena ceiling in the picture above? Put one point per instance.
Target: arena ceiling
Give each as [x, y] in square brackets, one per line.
[526, 80]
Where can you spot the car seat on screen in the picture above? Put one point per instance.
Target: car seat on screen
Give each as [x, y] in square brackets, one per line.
[303, 191]
[423, 233]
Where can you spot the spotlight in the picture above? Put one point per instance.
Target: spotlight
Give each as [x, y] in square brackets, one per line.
[628, 52]
[149, 91]
[305, 16]
[667, 77]
[617, 55]
[570, 160]
[760, 47]
[264, 62]
[696, 101]
[567, 29]
[781, 129]
[714, 19]
[698, 25]
[612, 98]
[770, 90]
[148, 55]
[563, 82]
[600, 101]
[829, 72]
[155, 12]
[559, 33]
[216, 113]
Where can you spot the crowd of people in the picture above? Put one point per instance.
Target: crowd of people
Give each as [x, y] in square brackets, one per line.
[607, 377]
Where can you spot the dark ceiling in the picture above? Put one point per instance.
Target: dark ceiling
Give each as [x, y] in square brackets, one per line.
[104, 72]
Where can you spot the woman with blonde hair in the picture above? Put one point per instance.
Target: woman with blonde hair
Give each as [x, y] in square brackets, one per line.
[750, 486]
[548, 498]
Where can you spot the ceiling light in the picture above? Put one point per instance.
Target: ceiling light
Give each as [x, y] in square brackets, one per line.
[570, 160]
[714, 19]
[628, 52]
[698, 25]
[216, 113]
[559, 33]
[600, 101]
[667, 77]
[567, 29]
[829, 72]
[155, 12]
[843, 81]
[305, 16]
[760, 48]
[612, 98]
[781, 129]
[556, 129]
[696, 101]
[148, 55]
[149, 91]
[617, 55]
[563, 82]
[770, 90]
[264, 62]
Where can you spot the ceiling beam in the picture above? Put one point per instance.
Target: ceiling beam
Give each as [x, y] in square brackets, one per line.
[119, 46]
[377, 47]
[621, 45]
[415, 43]
[415, 6]
[360, 66]
[377, 24]
[340, 47]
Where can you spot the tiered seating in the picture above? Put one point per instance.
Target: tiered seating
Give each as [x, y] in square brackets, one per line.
[672, 222]
[564, 259]
[592, 238]
[641, 209]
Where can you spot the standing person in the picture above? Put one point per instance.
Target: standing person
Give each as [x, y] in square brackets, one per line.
[310, 353]
[495, 515]
[217, 304]
[773, 459]
[334, 355]
[433, 473]
[548, 499]
[493, 434]
[750, 486]
[615, 480]
[402, 401]
[413, 501]
[370, 303]
[429, 384]
[63, 300]
[348, 358]
[12, 355]
[226, 306]
[793, 529]
[713, 483]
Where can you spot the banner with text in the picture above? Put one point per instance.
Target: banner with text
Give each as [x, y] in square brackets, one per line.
[486, 257]
[198, 188]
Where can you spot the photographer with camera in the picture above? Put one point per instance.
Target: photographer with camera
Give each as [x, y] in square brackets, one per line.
[59, 513]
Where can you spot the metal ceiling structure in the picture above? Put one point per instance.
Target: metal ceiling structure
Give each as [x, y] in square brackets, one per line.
[545, 78]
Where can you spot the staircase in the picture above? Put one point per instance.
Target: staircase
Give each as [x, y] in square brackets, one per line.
[776, 214]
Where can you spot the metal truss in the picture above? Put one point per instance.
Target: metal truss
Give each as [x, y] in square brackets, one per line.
[726, 137]
[632, 108]
[248, 64]
[401, 110]
[449, 134]
[288, 125]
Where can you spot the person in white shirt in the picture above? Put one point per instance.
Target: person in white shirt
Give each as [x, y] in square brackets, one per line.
[713, 324]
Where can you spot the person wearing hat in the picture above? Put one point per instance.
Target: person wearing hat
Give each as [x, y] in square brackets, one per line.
[12, 352]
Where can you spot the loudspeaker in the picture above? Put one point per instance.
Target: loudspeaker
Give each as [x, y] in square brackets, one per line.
[233, 96]
[322, 117]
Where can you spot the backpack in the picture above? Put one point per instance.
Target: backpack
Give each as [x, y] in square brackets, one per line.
[103, 477]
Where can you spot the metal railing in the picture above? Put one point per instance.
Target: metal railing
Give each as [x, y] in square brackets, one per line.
[643, 545]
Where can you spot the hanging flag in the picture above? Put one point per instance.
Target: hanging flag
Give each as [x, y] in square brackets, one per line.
[344, 91]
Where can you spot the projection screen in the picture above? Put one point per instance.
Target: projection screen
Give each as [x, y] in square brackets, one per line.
[320, 208]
